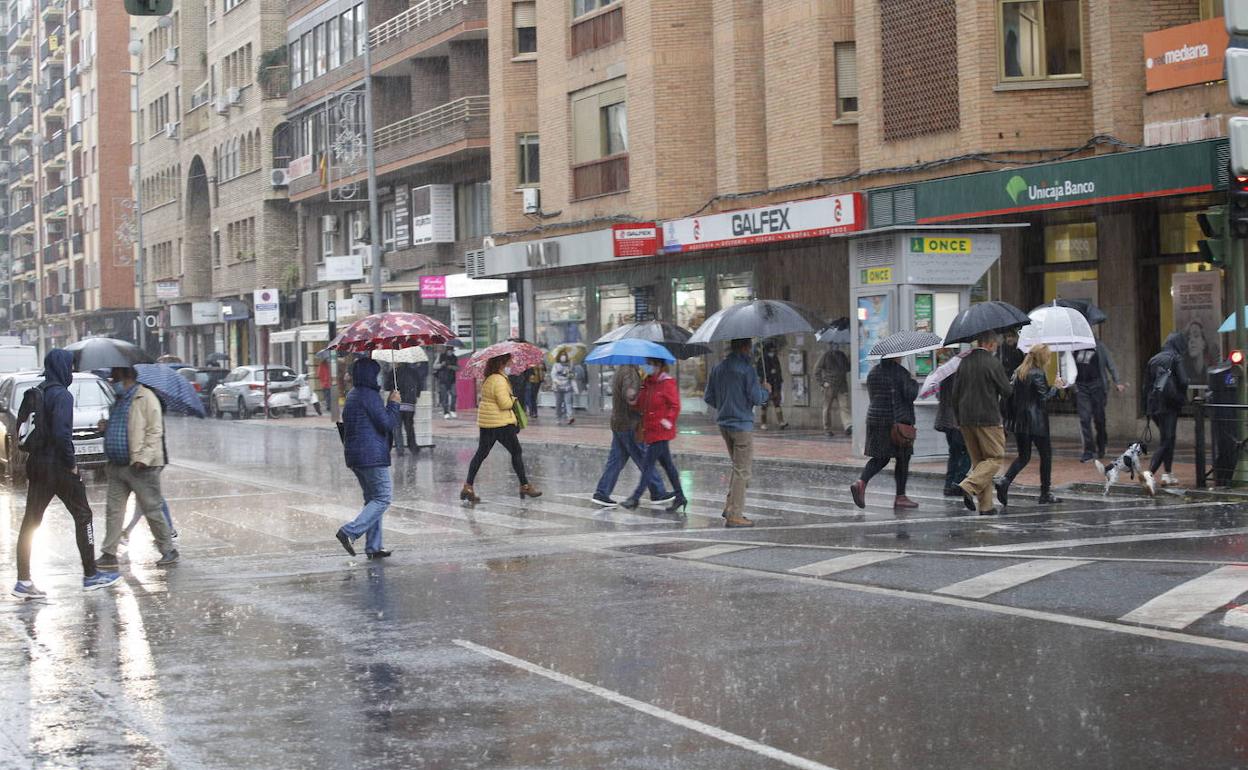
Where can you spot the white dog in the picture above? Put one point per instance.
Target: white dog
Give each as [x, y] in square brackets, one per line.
[1129, 461]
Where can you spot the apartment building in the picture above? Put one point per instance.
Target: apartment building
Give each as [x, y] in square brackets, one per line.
[431, 118]
[6, 255]
[209, 132]
[750, 131]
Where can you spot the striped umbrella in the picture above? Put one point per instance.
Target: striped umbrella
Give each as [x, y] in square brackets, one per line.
[905, 343]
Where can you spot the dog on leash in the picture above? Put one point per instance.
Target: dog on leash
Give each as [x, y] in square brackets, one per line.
[1129, 462]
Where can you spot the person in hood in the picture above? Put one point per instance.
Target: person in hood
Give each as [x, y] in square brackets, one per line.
[52, 471]
[1165, 386]
[367, 425]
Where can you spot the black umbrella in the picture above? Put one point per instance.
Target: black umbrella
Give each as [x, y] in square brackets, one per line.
[218, 358]
[984, 317]
[760, 318]
[105, 353]
[1090, 311]
[669, 335]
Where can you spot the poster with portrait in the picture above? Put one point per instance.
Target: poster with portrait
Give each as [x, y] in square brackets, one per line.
[1197, 301]
[874, 318]
[800, 390]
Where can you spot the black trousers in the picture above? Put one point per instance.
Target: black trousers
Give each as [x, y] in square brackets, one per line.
[509, 437]
[45, 482]
[1167, 426]
[407, 422]
[1091, 404]
[901, 471]
[1045, 448]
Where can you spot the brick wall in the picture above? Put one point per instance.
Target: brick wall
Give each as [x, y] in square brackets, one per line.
[513, 111]
[467, 63]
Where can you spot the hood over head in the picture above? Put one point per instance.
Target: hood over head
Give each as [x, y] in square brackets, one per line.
[58, 367]
[364, 373]
[1176, 343]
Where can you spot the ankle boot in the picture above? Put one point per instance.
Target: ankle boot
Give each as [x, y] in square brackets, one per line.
[528, 490]
[858, 491]
[901, 501]
[468, 495]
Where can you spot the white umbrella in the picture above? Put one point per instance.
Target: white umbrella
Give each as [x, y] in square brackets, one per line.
[1063, 329]
[412, 355]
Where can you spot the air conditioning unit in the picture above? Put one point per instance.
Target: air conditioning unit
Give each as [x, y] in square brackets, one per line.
[234, 95]
[222, 106]
[171, 55]
[329, 223]
[171, 130]
[474, 263]
[532, 200]
[279, 177]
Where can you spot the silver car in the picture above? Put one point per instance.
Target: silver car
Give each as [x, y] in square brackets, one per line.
[241, 393]
[92, 400]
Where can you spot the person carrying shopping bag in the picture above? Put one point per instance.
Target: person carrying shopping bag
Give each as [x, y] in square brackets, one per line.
[659, 405]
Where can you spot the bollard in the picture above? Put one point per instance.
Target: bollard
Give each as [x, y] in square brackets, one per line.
[1201, 475]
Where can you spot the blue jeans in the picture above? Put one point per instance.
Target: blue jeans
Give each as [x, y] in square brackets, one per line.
[624, 447]
[563, 404]
[658, 453]
[375, 483]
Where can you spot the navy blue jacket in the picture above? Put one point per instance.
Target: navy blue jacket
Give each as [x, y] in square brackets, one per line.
[58, 406]
[366, 422]
[733, 390]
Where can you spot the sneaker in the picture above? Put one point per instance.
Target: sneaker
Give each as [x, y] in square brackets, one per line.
[737, 522]
[1086, 457]
[168, 558]
[377, 555]
[666, 497]
[1169, 480]
[100, 580]
[446, 415]
[604, 500]
[1149, 483]
[454, 415]
[107, 561]
[25, 590]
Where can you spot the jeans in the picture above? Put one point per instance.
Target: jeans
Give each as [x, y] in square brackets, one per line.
[623, 447]
[901, 471]
[446, 397]
[563, 404]
[145, 484]
[531, 389]
[325, 397]
[740, 445]
[377, 489]
[658, 453]
[509, 437]
[164, 509]
[1024, 456]
[48, 481]
[1091, 401]
[1167, 425]
[959, 462]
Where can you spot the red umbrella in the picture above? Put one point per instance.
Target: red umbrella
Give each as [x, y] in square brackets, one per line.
[391, 331]
[523, 356]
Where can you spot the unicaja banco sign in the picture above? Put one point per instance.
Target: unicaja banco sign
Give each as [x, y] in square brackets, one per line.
[1022, 191]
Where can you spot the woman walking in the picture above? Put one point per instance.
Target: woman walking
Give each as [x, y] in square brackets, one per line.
[1031, 422]
[659, 405]
[890, 430]
[563, 378]
[496, 420]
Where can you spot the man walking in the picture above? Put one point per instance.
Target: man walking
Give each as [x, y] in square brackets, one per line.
[977, 392]
[832, 373]
[134, 443]
[445, 371]
[366, 429]
[733, 390]
[1095, 371]
[409, 382]
[625, 385]
[51, 471]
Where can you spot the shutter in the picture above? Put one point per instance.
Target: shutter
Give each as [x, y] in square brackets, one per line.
[524, 14]
[846, 71]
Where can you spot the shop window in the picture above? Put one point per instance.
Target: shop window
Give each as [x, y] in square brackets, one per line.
[559, 317]
[846, 79]
[1189, 292]
[735, 288]
[582, 7]
[690, 297]
[1073, 244]
[1041, 39]
[524, 18]
[1211, 9]
[528, 160]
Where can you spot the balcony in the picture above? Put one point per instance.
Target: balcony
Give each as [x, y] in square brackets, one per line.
[53, 99]
[430, 22]
[19, 37]
[52, 11]
[23, 168]
[52, 48]
[75, 134]
[57, 304]
[54, 149]
[54, 252]
[54, 203]
[18, 79]
[600, 177]
[22, 217]
[75, 190]
[450, 124]
[72, 23]
[19, 125]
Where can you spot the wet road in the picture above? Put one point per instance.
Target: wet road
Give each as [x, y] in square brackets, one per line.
[1100, 633]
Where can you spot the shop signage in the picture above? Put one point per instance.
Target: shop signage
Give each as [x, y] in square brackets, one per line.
[1157, 172]
[1185, 55]
[937, 245]
[402, 221]
[812, 218]
[637, 240]
[433, 287]
[267, 311]
[168, 290]
[433, 214]
[347, 268]
[872, 275]
[204, 313]
[300, 167]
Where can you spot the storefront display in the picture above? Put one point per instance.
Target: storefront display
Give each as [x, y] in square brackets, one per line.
[559, 317]
[690, 297]
[1069, 243]
[616, 307]
[1196, 298]
[874, 317]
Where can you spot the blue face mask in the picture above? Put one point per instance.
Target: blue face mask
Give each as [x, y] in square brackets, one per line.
[118, 388]
[647, 369]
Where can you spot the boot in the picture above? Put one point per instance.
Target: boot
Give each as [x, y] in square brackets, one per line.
[1003, 490]
[737, 521]
[528, 490]
[468, 495]
[1047, 498]
[858, 491]
[901, 501]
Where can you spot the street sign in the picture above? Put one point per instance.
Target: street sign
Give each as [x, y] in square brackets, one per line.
[267, 312]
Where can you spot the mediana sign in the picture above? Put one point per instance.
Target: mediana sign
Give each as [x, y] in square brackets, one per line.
[833, 215]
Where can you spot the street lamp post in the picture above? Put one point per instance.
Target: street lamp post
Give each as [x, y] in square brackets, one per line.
[374, 211]
[136, 48]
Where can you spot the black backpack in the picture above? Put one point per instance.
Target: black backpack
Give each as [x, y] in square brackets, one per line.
[32, 431]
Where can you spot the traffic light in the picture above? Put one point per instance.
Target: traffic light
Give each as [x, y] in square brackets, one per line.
[1213, 226]
[149, 7]
[1237, 209]
[1236, 357]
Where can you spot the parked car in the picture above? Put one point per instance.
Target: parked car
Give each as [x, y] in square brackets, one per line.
[92, 400]
[204, 379]
[241, 393]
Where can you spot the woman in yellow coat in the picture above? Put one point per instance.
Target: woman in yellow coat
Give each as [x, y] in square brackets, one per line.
[496, 422]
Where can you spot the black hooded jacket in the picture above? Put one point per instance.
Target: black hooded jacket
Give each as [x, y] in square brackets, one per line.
[58, 407]
[1171, 358]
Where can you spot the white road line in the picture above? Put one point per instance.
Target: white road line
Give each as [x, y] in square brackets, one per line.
[1188, 602]
[705, 513]
[843, 563]
[477, 516]
[998, 580]
[732, 739]
[711, 551]
[603, 515]
[1050, 545]
[343, 513]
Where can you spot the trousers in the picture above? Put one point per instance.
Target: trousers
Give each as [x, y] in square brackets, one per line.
[838, 402]
[740, 445]
[624, 446]
[658, 453]
[145, 484]
[1045, 448]
[959, 462]
[901, 471]
[1167, 426]
[378, 490]
[509, 437]
[1091, 402]
[986, 446]
[45, 482]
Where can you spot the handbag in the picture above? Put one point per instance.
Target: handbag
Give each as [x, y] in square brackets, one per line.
[903, 435]
[522, 417]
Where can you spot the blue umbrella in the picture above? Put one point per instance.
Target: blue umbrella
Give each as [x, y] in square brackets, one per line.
[628, 351]
[1229, 324]
[175, 392]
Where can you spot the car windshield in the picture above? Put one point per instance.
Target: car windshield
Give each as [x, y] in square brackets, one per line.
[90, 394]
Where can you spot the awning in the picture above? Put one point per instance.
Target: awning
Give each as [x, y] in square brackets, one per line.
[310, 333]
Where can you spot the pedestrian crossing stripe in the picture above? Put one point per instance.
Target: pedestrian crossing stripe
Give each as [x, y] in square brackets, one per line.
[1188, 602]
[845, 563]
[998, 580]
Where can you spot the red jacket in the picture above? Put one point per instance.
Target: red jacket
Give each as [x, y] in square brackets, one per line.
[659, 400]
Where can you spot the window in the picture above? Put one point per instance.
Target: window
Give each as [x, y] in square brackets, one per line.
[524, 17]
[472, 210]
[528, 160]
[327, 245]
[582, 7]
[305, 43]
[335, 47]
[346, 26]
[599, 122]
[387, 227]
[1041, 39]
[296, 65]
[846, 79]
[615, 128]
[1211, 9]
[361, 34]
[320, 50]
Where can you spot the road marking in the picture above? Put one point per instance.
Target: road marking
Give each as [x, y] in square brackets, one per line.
[732, 739]
[998, 580]
[704, 513]
[1050, 545]
[843, 563]
[601, 515]
[342, 513]
[1188, 602]
[711, 551]
[477, 516]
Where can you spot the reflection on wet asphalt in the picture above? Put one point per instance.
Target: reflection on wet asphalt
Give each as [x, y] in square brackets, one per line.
[550, 633]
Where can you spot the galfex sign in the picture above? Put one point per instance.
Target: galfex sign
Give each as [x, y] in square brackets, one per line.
[812, 218]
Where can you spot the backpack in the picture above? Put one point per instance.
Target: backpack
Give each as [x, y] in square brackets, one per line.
[32, 431]
[1164, 394]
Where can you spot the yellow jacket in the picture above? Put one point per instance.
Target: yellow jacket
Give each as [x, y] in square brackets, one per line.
[494, 410]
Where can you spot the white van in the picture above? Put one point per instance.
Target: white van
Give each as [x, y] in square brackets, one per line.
[18, 358]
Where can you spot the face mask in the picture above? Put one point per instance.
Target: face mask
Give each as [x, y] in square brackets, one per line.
[118, 388]
[647, 369]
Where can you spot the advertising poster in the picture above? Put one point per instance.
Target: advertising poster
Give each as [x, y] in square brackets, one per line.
[923, 322]
[874, 319]
[1197, 299]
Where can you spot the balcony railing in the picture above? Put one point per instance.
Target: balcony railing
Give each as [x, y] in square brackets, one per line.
[75, 189]
[459, 111]
[49, 51]
[24, 167]
[19, 35]
[72, 22]
[15, 79]
[52, 9]
[413, 17]
[54, 94]
[54, 252]
[55, 146]
[75, 134]
[75, 243]
[201, 95]
[55, 304]
[54, 203]
[23, 216]
[600, 177]
[19, 122]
